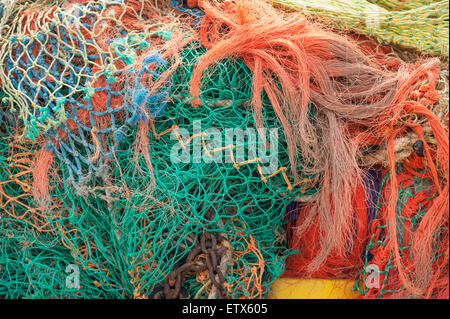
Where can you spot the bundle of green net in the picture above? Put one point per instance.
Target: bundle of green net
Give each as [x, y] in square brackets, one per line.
[193, 227]
[418, 24]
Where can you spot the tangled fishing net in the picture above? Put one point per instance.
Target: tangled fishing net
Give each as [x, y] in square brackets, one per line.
[203, 149]
[419, 24]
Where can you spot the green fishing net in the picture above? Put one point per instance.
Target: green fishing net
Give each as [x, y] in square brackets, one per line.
[150, 195]
[207, 224]
[421, 24]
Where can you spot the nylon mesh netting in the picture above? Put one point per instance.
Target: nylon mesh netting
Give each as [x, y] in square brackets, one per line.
[134, 230]
[111, 169]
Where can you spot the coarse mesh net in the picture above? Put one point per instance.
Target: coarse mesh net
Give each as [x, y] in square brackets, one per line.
[154, 196]
[64, 69]
[195, 228]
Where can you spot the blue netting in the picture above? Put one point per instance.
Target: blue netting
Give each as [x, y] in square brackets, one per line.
[196, 13]
[74, 93]
[139, 105]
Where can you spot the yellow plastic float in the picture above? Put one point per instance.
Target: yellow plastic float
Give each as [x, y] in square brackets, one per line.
[293, 288]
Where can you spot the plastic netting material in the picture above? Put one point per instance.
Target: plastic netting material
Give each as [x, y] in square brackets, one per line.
[195, 12]
[33, 261]
[137, 223]
[128, 234]
[421, 25]
[379, 277]
[63, 81]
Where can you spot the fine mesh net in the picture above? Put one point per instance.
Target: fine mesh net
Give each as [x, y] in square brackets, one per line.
[421, 25]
